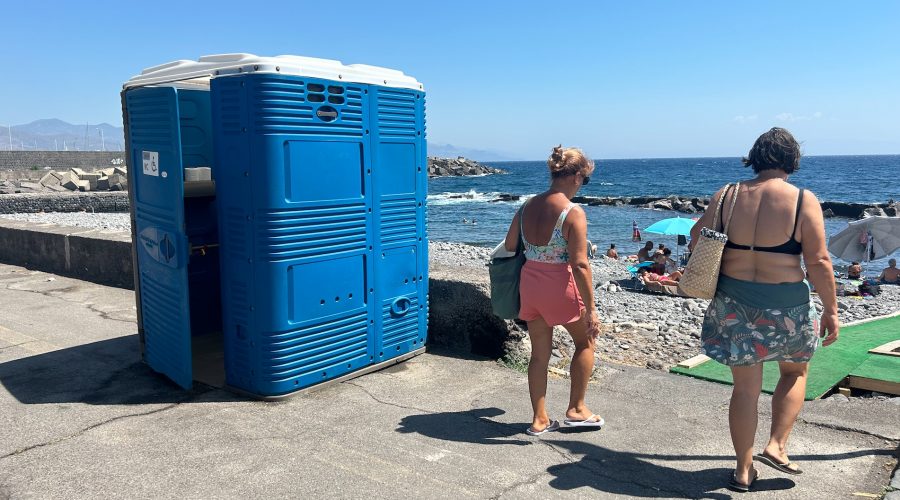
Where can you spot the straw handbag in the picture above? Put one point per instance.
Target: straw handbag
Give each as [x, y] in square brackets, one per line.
[702, 273]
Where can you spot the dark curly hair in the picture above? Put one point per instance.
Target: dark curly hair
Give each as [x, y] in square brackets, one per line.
[774, 150]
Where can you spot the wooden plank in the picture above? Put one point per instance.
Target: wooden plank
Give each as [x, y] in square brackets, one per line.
[887, 349]
[869, 320]
[874, 385]
[692, 362]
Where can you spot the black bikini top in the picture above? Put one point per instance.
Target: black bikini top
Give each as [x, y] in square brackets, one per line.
[790, 247]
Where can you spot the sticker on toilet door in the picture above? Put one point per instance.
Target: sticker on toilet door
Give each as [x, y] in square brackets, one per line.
[151, 163]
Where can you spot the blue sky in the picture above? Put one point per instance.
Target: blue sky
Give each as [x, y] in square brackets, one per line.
[619, 79]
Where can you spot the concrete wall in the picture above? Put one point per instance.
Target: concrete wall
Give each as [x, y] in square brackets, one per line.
[61, 160]
[90, 254]
[64, 202]
[460, 317]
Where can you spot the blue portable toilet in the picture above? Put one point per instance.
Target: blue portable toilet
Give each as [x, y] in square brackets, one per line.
[318, 187]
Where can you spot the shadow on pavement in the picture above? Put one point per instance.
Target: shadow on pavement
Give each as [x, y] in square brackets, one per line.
[472, 426]
[611, 471]
[107, 372]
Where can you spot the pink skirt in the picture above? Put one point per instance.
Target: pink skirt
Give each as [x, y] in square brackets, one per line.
[548, 291]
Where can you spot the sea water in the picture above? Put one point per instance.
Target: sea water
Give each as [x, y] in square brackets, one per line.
[863, 179]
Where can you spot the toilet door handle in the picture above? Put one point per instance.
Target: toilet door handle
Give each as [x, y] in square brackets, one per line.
[400, 306]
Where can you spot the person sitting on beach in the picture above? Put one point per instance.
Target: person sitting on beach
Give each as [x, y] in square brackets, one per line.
[671, 265]
[643, 254]
[556, 286]
[854, 272]
[612, 253]
[762, 310]
[890, 275]
[659, 263]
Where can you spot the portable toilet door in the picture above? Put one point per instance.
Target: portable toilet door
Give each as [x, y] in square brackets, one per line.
[400, 188]
[167, 130]
[155, 181]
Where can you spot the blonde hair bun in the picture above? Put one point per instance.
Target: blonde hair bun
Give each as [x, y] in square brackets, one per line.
[564, 162]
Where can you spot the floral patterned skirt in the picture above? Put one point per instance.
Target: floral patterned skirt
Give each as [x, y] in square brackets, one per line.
[740, 331]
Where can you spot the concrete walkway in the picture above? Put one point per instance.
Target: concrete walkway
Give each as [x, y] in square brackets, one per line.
[81, 416]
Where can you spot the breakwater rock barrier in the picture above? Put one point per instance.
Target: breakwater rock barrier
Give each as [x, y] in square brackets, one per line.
[457, 167]
[117, 201]
[695, 205]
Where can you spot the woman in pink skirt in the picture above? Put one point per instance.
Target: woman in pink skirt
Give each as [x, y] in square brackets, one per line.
[556, 284]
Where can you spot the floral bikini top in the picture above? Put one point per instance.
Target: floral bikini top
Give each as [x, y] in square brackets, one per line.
[556, 251]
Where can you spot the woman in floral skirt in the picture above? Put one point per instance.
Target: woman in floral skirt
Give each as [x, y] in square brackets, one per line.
[762, 309]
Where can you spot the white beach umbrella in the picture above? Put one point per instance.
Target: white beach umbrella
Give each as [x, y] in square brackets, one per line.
[881, 232]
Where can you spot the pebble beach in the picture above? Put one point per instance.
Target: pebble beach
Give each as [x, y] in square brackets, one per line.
[644, 329]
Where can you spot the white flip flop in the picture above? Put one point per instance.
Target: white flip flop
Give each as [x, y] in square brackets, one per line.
[588, 422]
[553, 426]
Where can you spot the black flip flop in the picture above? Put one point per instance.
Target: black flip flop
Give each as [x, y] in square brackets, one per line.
[771, 462]
[735, 485]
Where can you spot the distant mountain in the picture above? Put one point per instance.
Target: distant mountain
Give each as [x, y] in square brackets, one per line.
[451, 151]
[56, 135]
[52, 134]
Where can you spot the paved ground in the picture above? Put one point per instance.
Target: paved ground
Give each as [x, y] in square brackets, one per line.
[81, 417]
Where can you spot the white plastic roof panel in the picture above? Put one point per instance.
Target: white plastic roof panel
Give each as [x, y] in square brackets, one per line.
[199, 72]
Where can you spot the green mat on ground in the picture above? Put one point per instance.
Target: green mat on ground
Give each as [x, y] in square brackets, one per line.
[829, 366]
[879, 367]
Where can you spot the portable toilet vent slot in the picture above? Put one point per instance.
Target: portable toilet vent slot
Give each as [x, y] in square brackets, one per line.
[312, 223]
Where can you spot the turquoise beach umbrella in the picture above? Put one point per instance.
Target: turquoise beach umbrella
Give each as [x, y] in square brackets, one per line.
[673, 225]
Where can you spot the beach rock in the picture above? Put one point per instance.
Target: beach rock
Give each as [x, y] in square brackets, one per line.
[873, 211]
[839, 398]
[460, 315]
[506, 197]
[439, 167]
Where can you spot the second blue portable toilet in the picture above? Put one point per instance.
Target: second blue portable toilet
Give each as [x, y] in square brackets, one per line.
[320, 190]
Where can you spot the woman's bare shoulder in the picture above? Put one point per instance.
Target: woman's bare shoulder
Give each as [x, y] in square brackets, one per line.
[576, 214]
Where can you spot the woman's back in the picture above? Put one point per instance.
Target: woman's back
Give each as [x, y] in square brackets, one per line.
[765, 228]
[541, 220]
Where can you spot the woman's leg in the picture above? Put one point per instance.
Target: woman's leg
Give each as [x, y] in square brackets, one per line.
[580, 369]
[541, 335]
[786, 404]
[743, 416]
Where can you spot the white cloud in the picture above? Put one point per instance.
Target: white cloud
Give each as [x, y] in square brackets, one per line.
[791, 117]
[745, 119]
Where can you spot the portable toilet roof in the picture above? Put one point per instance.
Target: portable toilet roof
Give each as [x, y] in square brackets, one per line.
[199, 72]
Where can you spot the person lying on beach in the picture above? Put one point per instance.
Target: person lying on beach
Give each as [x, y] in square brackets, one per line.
[854, 271]
[890, 275]
[643, 254]
[647, 276]
[612, 253]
